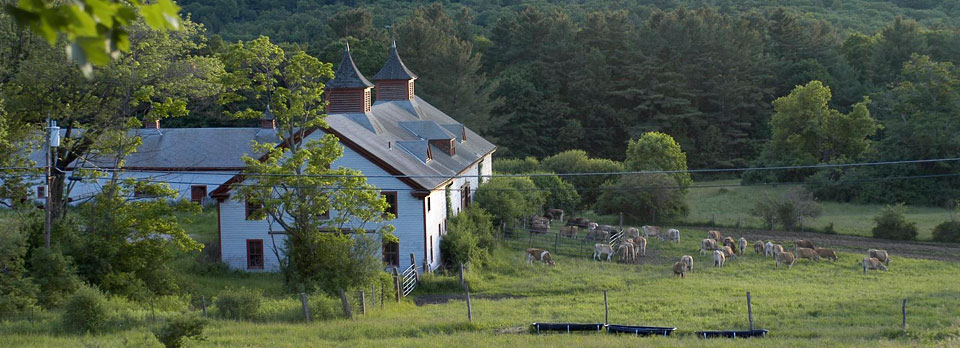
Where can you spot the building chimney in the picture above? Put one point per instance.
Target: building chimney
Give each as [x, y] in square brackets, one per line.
[268, 122]
[394, 81]
[155, 124]
[349, 91]
[446, 145]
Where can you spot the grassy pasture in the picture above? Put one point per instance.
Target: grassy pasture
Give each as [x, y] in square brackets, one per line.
[811, 305]
[727, 203]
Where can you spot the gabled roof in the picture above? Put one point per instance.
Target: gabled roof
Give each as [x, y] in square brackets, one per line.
[186, 149]
[394, 69]
[347, 75]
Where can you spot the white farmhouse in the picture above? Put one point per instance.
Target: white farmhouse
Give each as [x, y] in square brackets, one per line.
[423, 161]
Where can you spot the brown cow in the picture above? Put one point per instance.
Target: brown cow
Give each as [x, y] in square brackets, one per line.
[879, 254]
[679, 269]
[652, 231]
[641, 245]
[631, 232]
[758, 247]
[673, 235]
[804, 243]
[554, 214]
[728, 252]
[827, 254]
[568, 231]
[872, 263]
[807, 253]
[715, 235]
[706, 245]
[728, 241]
[688, 261]
[742, 244]
[539, 255]
[786, 258]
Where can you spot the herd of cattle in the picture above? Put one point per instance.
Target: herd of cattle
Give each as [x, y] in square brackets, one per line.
[632, 243]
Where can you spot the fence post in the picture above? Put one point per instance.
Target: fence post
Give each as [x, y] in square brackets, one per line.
[396, 282]
[606, 310]
[903, 310]
[346, 304]
[461, 273]
[306, 306]
[413, 261]
[363, 303]
[373, 296]
[203, 305]
[383, 293]
[556, 242]
[749, 311]
[466, 288]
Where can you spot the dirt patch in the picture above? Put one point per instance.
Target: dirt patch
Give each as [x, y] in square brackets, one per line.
[516, 330]
[920, 250]
[423, 300]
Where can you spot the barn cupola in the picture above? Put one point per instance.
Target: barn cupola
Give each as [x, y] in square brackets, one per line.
[349, 91]
[268, 121]
[394, 81]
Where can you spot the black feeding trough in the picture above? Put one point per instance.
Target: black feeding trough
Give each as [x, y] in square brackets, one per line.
[640, 330]
[732, 333]
[567, 327]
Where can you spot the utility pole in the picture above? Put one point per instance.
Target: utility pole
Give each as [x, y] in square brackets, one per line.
[53, 141]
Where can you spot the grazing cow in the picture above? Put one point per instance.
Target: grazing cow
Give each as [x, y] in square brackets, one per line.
[579, 222]
[758, 247]
[673, 235]
[539, 255]
[597, 234]
[873, 263]
[641, 243]
[539, 224]
[768, 249]
[786, 258]
[827, 254]
[679, 269]
[688, 261]
[879, 254]
[652, 231]
[804, 243]
[601, 249]
[625, 251]
[631, 232]
[554, 214]
[706, 245]
[728, 252]
[728, 241]
[718, 258]
[715, 235]
[777, 249]
[568, 231]
[633, 247]
[742, 243]
[807, 253]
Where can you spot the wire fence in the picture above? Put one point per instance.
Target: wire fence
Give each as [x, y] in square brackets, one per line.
[578, 245]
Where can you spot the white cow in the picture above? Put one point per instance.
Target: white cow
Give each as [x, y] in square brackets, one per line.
[601, 249]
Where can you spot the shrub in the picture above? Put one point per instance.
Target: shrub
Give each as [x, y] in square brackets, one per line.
[239, 304]
[577, 161]
[55, 276]
[789, 210]
[509, 197]
[469, 238]
[948, 231]
[326, 307]
[649, 197]
[86, 311]
[891, 224]
[180, 328]
[17, 293]
[558, 194]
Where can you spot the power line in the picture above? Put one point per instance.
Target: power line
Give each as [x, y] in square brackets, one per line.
[642, 172]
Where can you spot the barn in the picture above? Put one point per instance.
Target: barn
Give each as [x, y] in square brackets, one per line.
[427, 164]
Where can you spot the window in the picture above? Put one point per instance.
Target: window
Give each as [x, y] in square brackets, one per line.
[391, 202]
[255, 253]
[41, 192]
[197, 192]
[428, 203]
[465, 196]
[324, 216]
[391, 253]
[431, 249]
[251, 209]
[138, 191]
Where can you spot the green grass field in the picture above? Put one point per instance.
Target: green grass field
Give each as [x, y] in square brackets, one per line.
[812, 305]
[733, 202]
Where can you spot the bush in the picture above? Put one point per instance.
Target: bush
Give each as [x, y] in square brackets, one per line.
[55, 276]
[86, 311]
[239, 304]
[649, 197]
[325, 307]
[17, 292]
[558, 194]
[577, 161]
[891, 224]
[180, 328]
[789, 210]
[509, 197]
[948, 231]
[469, 238]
